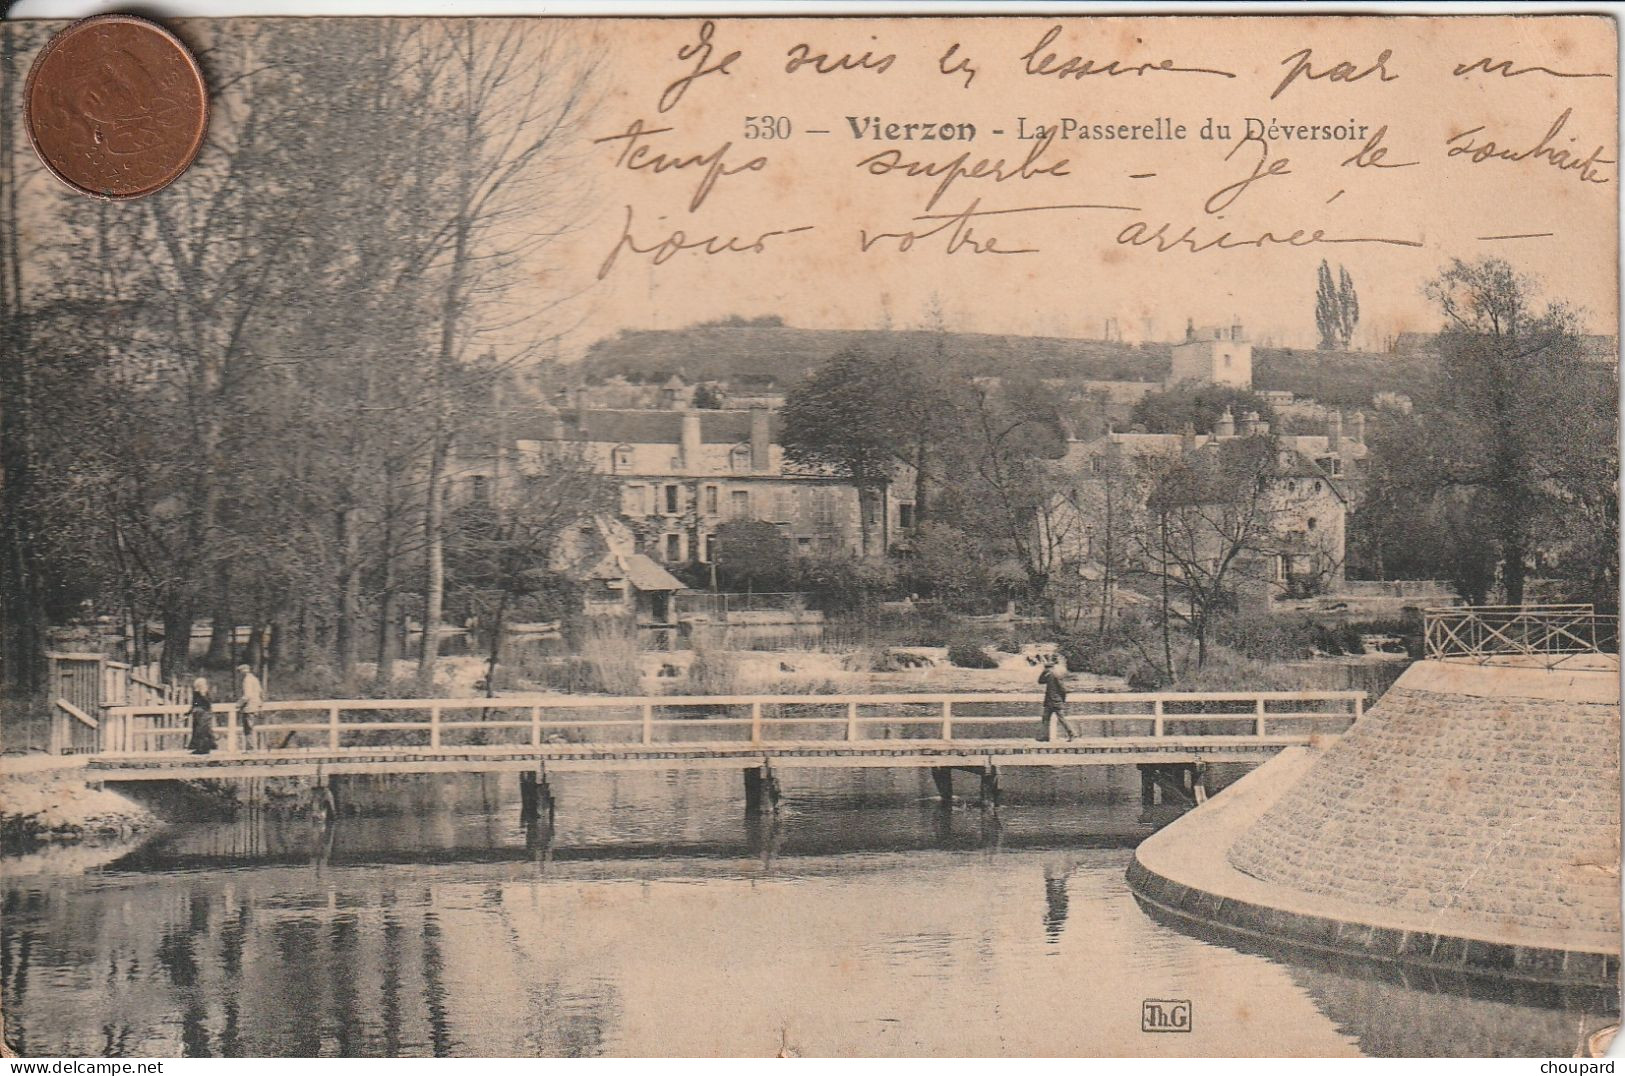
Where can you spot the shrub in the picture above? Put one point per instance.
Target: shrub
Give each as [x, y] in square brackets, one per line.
[608, 662]
[970, 654]
[713, 672]
[1267, 637]
[1102, 655]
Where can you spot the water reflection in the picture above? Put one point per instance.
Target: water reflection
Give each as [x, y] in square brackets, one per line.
[655, 917]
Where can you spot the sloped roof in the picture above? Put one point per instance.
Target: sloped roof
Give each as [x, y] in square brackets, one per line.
[645, 574]
[645, 427]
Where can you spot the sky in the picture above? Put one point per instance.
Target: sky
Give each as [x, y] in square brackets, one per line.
[1429, 205]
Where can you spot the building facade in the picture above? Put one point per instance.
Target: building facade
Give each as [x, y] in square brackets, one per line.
[1213, 355]
[1292, 540]
[682, 474]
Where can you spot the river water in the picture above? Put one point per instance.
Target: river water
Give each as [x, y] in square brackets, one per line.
[655, 918]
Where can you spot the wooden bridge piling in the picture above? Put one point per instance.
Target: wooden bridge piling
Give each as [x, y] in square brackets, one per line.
[535, 797]
[990, 787]
[761, 789]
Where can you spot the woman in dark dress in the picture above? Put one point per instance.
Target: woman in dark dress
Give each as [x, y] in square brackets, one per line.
[202, 741]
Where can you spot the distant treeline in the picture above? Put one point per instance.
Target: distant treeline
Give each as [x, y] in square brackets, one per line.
[750, 352]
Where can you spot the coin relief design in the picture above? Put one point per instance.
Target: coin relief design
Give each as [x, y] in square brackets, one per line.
[116, 107]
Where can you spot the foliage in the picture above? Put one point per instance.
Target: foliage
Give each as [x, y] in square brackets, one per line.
[266, 390]
[944, 562]
[753, 555]
[1508, 463]
[1198, 405]
[852, 417]
[713, 672]
[971, 654]
[1337, 307]
[607, 661]
[841, 583]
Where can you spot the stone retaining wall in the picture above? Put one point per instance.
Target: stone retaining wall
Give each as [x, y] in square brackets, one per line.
[1478, 801]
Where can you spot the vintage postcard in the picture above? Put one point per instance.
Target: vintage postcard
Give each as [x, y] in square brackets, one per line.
[1007, 536]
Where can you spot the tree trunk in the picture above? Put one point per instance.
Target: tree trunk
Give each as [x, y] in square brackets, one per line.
[388, 601]
[434, 554]
[22, 606]
[177, 640]
[1167, 635]
[498, 618]
[347, 643]
[1512, 568]
[865, 499]
[223, 630]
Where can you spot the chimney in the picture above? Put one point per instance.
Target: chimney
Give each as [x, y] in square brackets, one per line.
[690, 446]
[1235, 328]
[760, 439]
[1334, 431]
[1226, 426]
[1357, 428]
[1190, 329]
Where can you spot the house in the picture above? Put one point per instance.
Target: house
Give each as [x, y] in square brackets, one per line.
[1213, 355]
[684, 473]
[1290, 539]
[616, 579]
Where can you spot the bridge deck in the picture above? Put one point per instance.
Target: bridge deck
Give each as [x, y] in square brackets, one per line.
[560, 758]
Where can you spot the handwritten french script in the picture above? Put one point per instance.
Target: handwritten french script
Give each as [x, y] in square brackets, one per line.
[917, 137]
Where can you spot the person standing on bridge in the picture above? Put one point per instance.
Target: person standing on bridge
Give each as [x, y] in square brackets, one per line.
[253, 697]
[202, 715]
[1054, 700]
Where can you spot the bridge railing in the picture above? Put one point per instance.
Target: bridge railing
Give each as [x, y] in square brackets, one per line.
[649, 721]
[1547, 635]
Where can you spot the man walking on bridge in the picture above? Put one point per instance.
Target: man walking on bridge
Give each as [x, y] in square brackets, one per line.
[1054, 700]
[252, 698]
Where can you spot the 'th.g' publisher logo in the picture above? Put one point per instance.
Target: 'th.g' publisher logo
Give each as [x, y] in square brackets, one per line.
[1163, 1014]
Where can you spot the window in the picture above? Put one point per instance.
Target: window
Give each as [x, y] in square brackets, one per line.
[823, 505]
[739, 503]
[1227, 362]
[905, 516]
[1318, 485]
[710, 547]
[804, 544]
[1292, 485]
[674, 547]
[1097, 465]
[1312, 522]
[671, 499]
[479, 490]
[739, 459]
[710, 500]
[621, 459]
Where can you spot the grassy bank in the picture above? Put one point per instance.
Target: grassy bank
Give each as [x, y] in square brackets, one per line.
[42, 805]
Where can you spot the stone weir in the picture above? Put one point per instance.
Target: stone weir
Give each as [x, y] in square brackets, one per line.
[1468, 823]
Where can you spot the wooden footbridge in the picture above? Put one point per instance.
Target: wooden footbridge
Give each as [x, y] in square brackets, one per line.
[537, 735]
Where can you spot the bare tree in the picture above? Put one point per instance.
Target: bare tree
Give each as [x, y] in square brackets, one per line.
[510, 107]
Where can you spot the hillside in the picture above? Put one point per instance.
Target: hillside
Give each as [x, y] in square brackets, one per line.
[1339, 378]
[789, 354]
[752, 353]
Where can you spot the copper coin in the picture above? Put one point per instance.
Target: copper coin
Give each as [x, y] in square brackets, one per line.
[116, 106]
